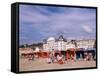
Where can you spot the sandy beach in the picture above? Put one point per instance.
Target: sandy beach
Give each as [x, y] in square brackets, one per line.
[40, 64]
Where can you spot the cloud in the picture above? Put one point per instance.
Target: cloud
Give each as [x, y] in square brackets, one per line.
[87, 29]
[38, 22]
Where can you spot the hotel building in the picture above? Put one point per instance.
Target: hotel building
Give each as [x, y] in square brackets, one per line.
[63, 44]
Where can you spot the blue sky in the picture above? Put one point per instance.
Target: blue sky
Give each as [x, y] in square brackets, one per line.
[40, 22]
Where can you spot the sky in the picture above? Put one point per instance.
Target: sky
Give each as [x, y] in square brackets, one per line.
[41, 22]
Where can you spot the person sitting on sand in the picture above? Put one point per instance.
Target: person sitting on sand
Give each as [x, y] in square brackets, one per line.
[60, 58]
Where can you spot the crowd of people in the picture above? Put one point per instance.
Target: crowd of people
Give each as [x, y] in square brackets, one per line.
[52, 58]
[61, 57]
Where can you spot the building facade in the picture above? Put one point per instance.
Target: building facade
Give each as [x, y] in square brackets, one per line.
[63, 44]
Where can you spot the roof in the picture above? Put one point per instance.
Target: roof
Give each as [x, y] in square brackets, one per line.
[61, 38]
[51, 39]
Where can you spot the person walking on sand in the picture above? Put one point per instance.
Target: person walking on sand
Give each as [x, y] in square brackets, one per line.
[48, 58]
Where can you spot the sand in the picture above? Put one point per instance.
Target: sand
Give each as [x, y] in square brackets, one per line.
[40, 64]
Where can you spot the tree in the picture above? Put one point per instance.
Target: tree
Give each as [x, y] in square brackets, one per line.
[21, 46]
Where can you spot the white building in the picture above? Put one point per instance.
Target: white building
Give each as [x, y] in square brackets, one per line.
[49, 45]
[62, 44]
[89, 43]
[69, 45]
